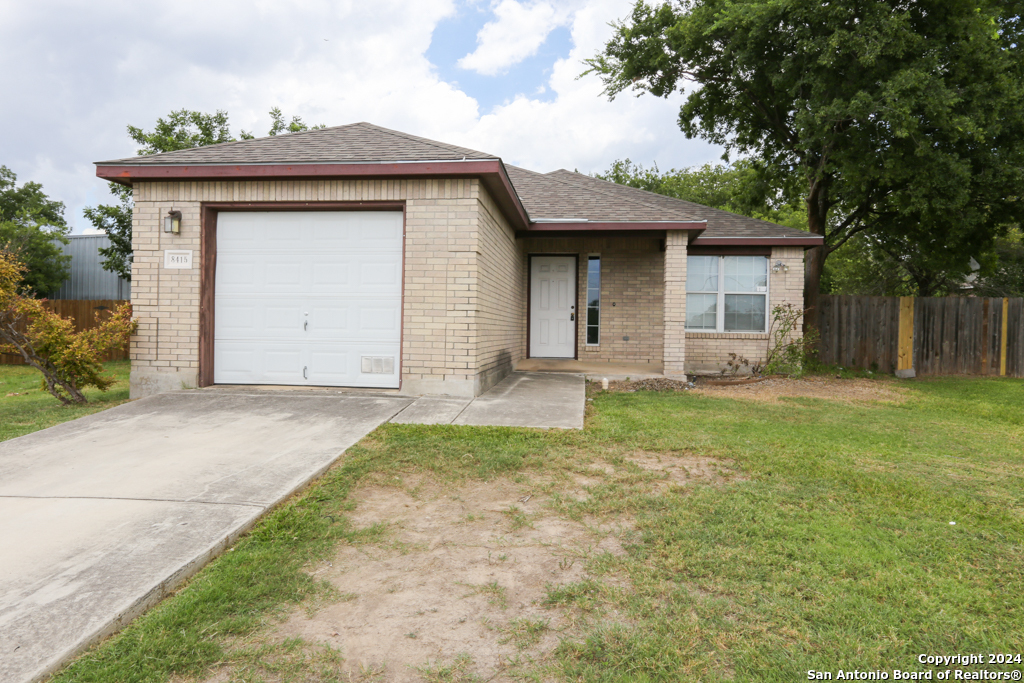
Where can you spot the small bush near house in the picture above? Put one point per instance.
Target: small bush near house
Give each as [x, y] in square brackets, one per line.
[68, 360]
[788, 355]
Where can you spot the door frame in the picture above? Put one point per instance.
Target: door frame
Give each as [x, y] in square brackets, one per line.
[208, 212]
[529, 302]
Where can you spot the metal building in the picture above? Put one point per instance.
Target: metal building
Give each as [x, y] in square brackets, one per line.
[89, 281]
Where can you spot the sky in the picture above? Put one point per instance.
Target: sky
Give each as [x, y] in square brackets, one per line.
[498, 76]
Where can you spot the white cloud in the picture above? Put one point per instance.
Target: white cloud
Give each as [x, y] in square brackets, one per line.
[96, 68]
[580, 128]
[519, 31]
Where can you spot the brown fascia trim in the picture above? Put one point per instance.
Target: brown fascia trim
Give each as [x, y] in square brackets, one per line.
[610, 226]
[491, 173]
[634, 234]
[809, 241]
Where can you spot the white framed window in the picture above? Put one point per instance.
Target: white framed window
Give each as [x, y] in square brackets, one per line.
[727, 293]
[594, 301]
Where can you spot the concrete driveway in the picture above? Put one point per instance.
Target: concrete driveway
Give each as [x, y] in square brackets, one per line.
[101, 517]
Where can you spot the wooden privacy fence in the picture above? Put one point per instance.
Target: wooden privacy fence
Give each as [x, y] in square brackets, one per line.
[84, 315]
[929, 336]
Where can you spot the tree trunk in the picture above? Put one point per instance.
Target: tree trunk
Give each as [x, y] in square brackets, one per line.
[814, 258]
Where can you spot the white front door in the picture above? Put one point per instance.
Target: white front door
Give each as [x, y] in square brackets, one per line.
[308, 298]
[553, 307]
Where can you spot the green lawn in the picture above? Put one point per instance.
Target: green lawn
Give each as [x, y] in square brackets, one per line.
[835, 549]
[25, 407]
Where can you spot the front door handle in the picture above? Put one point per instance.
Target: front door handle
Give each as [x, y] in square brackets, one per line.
[305, 325]
[572, 316]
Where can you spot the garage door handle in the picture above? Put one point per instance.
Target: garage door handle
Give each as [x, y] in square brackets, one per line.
[304, 368]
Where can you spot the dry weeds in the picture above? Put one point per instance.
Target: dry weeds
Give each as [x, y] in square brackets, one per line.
[830, 388]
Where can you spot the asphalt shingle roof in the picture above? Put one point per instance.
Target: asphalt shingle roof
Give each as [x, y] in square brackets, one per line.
[353, 143]
[601, 200]
[557, 195]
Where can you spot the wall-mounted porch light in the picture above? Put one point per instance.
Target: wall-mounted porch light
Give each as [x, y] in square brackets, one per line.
[780, 267]
[172, 222]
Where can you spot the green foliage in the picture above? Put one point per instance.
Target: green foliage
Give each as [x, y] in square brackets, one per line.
[116, 221]
[1003, 275]
[25, 407]
[788, 349]
[744, 187]
[68, 360]
[902, 120]
[31, 225]
[182, 129]
[296, 126]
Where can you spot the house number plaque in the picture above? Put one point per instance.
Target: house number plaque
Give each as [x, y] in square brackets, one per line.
[177, 258]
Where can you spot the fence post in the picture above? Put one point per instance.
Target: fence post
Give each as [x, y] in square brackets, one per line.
[1002, 337]
[905, 349]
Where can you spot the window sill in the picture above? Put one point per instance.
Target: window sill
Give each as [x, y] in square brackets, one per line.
[727, 335]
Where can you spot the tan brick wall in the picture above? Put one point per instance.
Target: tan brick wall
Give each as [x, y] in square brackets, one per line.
[709, 351]
[440, 352]
[631, 294]
[675, 302]
[501, 313]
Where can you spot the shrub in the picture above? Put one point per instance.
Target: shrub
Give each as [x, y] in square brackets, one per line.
[69, 361]
[788, 351]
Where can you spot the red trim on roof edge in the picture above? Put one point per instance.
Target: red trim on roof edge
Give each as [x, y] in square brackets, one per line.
[491, 172]
[249, 171]
[589, 226]
[809, 241]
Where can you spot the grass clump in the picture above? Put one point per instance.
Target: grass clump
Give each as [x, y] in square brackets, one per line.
[25, 407]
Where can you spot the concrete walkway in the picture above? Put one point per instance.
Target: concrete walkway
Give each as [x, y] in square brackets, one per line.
[103, 516]
[523, 399]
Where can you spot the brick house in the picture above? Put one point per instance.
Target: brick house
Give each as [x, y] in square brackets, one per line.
[361, 256]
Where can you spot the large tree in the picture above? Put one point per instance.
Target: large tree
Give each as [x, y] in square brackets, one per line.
[31, 226]
[182, 129]
[741, 187]
[902, 118]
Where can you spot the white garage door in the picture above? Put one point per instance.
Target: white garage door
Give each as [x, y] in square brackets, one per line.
[308, 298]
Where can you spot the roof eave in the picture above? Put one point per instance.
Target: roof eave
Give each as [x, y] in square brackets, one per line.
[616, 226]
[806, 241]
[490, 171]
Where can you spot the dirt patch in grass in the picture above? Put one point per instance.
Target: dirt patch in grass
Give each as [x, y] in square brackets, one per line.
[830, 388]
[679, 470]
[460, 582]
[459, 588]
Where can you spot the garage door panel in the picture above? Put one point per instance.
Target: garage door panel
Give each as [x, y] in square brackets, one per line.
[234, 275]
[338, 272]
[237, 318]
[378, 319]
[341, 364]
[333, 276]
[379, 274]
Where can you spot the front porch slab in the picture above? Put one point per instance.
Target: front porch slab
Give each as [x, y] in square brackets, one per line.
[591, 369]
[523, 399]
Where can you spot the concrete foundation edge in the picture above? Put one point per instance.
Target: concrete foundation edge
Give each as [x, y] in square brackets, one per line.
[143, 383]
[466, 388]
